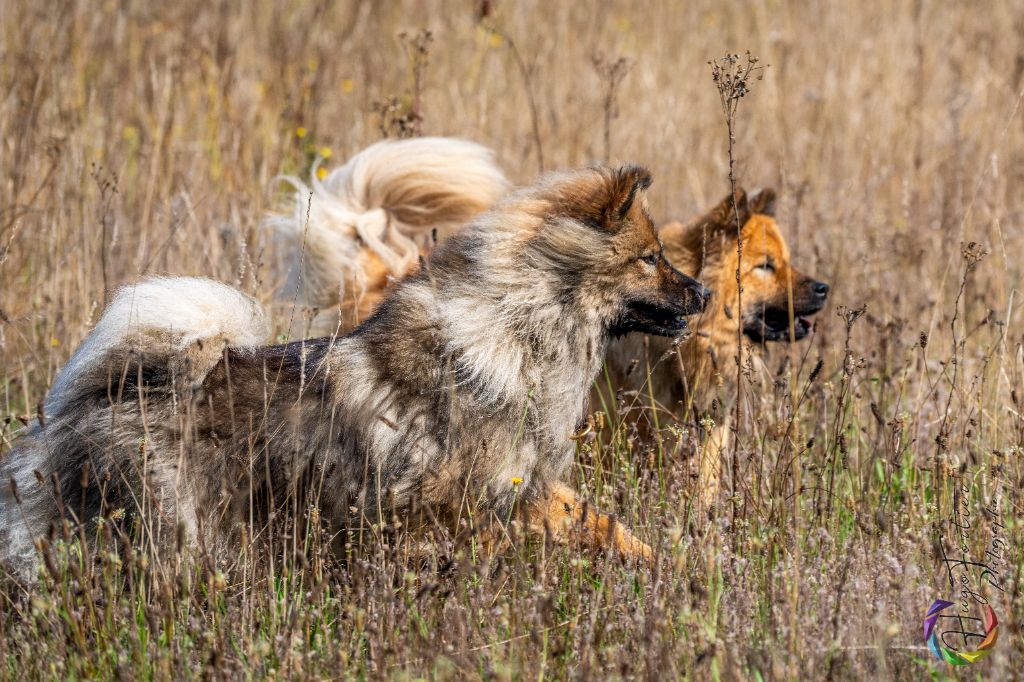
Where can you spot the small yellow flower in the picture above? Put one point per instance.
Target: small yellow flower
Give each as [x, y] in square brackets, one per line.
[348, 85]
[300, 132]
[516, 480]
[325, 152]
[495, 40]
[54, 342]
[321, 173]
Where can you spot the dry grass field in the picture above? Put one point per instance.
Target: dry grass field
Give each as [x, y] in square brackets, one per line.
[141, 137]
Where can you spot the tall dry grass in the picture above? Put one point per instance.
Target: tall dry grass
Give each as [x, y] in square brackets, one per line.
[141, 138]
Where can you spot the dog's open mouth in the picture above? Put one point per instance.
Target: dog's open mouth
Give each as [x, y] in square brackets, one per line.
[773, 324]
[651, 318]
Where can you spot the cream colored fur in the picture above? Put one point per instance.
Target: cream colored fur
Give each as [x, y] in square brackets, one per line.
[369, 221]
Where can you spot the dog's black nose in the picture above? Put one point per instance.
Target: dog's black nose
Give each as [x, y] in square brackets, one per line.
[820, 289]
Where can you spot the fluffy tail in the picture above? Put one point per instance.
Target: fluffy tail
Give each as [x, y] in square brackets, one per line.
[170, 331]
[370, 218]
[180, 325]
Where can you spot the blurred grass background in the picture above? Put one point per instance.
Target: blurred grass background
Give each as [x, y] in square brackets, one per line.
[140, 138]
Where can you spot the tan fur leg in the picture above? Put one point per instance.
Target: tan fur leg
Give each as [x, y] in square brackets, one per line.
[712, 458]
[569, 518]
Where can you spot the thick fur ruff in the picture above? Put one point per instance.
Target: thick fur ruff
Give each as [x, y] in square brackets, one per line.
[463, 389]
[370, 220]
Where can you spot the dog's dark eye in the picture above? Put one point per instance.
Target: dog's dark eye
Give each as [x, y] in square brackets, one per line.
[650, 259]
[767, 266]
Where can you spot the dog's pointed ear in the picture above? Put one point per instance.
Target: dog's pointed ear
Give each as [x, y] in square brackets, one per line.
[724, 214]
[763, 202]
[603, 197]
[626, 185]
[695, 243]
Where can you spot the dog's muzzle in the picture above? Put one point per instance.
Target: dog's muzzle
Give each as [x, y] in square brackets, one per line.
[665, 315]
[772, 322]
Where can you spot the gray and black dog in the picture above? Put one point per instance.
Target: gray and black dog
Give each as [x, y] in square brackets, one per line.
[462, 390]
